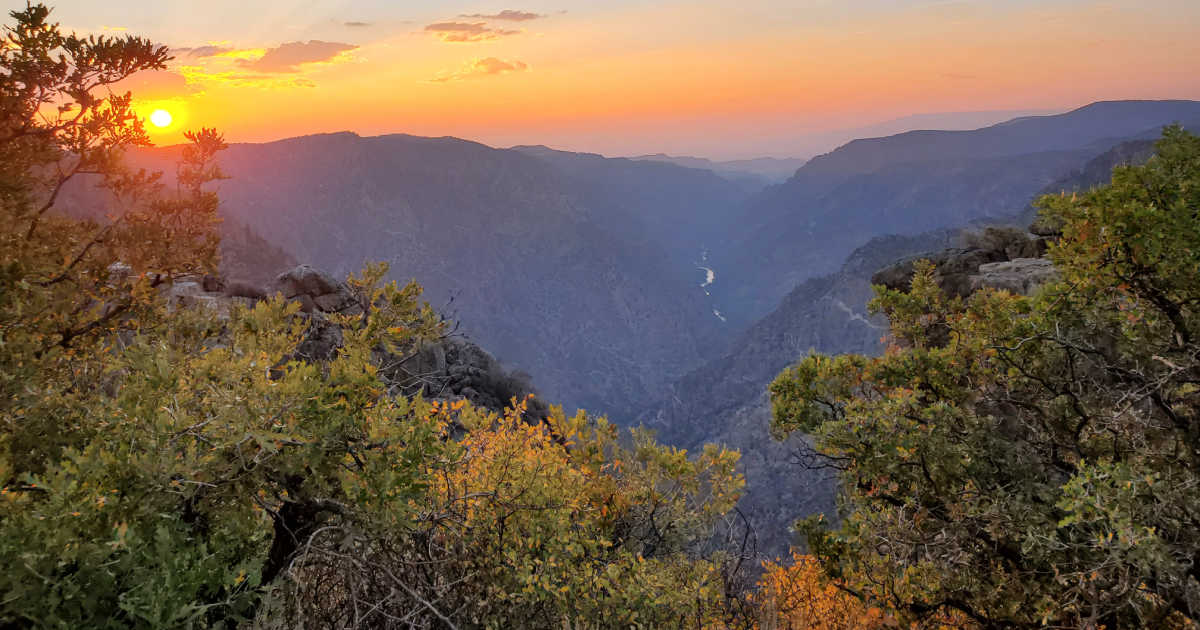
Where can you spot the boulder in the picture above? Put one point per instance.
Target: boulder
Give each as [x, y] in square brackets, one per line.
[1030, 248]
[182, 293]
[961, 271]
[443, 369]
[316, 291]
[306, 303]
[304, 280]
[1021, 275]
[341, 302]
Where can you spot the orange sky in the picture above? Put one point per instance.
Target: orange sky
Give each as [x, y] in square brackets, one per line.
[719, 79]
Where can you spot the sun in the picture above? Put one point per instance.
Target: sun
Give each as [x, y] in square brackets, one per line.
[160, 118]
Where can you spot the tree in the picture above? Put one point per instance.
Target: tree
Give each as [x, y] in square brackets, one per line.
[1030, 461]
[57, 302]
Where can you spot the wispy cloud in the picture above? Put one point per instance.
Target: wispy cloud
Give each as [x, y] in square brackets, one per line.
[220, 63]
[241, 54]
[477, 68]
[290, 56]
[507, 14]
[204, 76]
[201, 51]
[356, 24]
[467, 31]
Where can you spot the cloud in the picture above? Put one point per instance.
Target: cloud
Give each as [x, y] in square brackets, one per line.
[466, 31]
[201, 51]
[356, 24]
[220, 63]
[507, 14]
[477, 68]
[288, 57]
[242, 54]
[204, 76]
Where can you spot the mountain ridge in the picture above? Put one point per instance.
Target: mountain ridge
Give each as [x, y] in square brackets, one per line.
[909, 183]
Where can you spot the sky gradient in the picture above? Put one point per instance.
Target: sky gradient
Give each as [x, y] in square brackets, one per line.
[716, 79]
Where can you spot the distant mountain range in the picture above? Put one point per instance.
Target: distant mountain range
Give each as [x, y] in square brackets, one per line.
[822, 142]
[759, 170]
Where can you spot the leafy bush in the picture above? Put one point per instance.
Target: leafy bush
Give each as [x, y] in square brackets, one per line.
[1030, 461]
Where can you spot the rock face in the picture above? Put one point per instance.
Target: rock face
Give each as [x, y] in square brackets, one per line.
[195, 291]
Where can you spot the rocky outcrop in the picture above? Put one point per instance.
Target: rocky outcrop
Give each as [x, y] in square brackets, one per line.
[1000, 258]
[316, 291]
[202, 291]
[451, 368]
[954, 269]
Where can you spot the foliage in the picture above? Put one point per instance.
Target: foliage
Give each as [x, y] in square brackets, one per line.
[1030, 461]
[163, 466]
[548, 523]
[797, 596]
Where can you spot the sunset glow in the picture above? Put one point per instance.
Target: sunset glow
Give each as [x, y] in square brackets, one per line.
[762, 78]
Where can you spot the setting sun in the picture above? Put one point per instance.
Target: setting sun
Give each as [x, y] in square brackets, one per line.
[160, 118]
